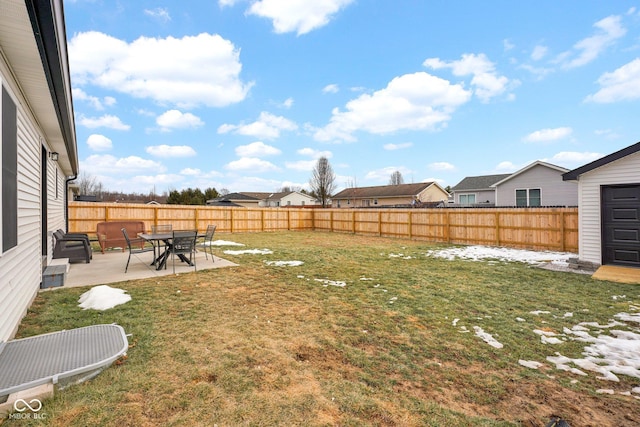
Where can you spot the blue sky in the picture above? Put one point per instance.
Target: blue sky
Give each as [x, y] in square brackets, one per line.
[245, 95]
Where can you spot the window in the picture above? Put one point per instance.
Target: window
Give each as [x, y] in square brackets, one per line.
[9, 135]
[467, 199]
[528, 197]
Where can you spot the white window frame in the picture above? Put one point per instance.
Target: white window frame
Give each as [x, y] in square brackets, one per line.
[528, 197]
[467, 195]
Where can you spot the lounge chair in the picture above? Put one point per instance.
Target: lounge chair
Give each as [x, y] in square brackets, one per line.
[76, 248]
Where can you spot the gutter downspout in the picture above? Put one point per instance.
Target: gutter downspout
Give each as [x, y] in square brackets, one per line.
[66, 201]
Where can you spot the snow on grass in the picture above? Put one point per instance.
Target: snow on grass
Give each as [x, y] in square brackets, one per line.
[102, 298]
[327, 282]
[486, 337]
[401, 256]
[222, 243]
[482, 253]
[249, 251]
[530, 364]
[284, 263]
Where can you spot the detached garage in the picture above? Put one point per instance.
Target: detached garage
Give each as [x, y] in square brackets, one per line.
[609, 208]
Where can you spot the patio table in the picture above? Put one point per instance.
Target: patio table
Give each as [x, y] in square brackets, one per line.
[161, 258]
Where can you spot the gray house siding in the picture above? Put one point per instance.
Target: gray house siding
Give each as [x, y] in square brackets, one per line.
[553, 190]
[481, 196]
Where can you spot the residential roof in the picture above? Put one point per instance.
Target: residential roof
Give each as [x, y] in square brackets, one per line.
[483, 182]
[222, 202]
[33, 39]
[575, 174]
[401, 190]
[530, 166]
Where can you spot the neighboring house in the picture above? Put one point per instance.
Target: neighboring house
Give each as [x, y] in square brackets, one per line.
[609, 208]
[477, 190]
[39, 152]
[247, 200]
[538, 184]
[390, 195]
[289, 199]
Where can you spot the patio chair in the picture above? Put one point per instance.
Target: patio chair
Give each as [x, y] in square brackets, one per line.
[74, 248]
[208, 238]
[183, 243]
[137, 250]
[160, 228]
[83, 236]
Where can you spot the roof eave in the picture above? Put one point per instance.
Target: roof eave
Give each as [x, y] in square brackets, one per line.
[574, 175]
[47, 21]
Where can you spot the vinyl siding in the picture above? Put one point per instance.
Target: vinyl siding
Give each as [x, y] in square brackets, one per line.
[21, 266]
[622, 171]
[554, 191]
[482, 196]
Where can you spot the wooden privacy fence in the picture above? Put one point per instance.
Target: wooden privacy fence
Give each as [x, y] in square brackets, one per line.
[532, 228]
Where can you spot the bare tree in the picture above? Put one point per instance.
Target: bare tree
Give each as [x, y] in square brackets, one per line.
[322, 181]
[89, 185]
[396, 178]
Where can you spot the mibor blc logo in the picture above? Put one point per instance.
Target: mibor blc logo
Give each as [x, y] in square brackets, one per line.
[27, 410]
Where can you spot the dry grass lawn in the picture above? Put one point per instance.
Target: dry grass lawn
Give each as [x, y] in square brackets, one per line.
[262, 345]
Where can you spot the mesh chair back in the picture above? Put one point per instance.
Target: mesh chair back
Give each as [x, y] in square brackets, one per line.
[184, 242]
[161, 228]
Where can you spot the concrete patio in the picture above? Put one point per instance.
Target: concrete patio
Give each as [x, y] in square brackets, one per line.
[109, 268]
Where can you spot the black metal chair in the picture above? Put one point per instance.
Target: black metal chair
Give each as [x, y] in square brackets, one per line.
[183, 243]
[134, 251]
[208, 238]
[75, 248]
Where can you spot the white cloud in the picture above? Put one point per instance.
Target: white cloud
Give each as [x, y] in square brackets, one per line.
[575, 158]
[539, 52]
[174, 119]
[107, 121]
[190, 171]
[384, 174]
[203, 70]
[99, 142]
[392, 147]
[332, 88]
[223, 3]
[486, 81]
[107, 164]
[316, 154]
[252, 164]
[301, 16]
[159, 13]
[548, 135]
[288, 103]
[171, 151]
[441, 166]
[301, 165]
[416, 101]
[94, 101]
[621, 84]
[507, 45]
[506, 166]
[257, 149]
[268, 126]
[586, 50]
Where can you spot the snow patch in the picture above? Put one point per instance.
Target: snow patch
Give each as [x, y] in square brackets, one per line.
[486, 337]
[482, 253]
[222, 243]
[250, 251]
[530, 364]
[284, 263]
[102, 298]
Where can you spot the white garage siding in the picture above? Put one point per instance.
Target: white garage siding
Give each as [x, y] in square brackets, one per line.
[621, 171]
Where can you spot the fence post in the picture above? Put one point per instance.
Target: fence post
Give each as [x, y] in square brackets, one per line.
[195, 218]
[379, 223]
[331, 220]
[497, 228]
[562, 236]
[288, 219]
[447, 227]
[410, 224]
[231, 220]
[262, 219]
[353, 222]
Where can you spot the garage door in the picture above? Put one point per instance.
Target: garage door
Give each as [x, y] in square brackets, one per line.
[621, 225]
